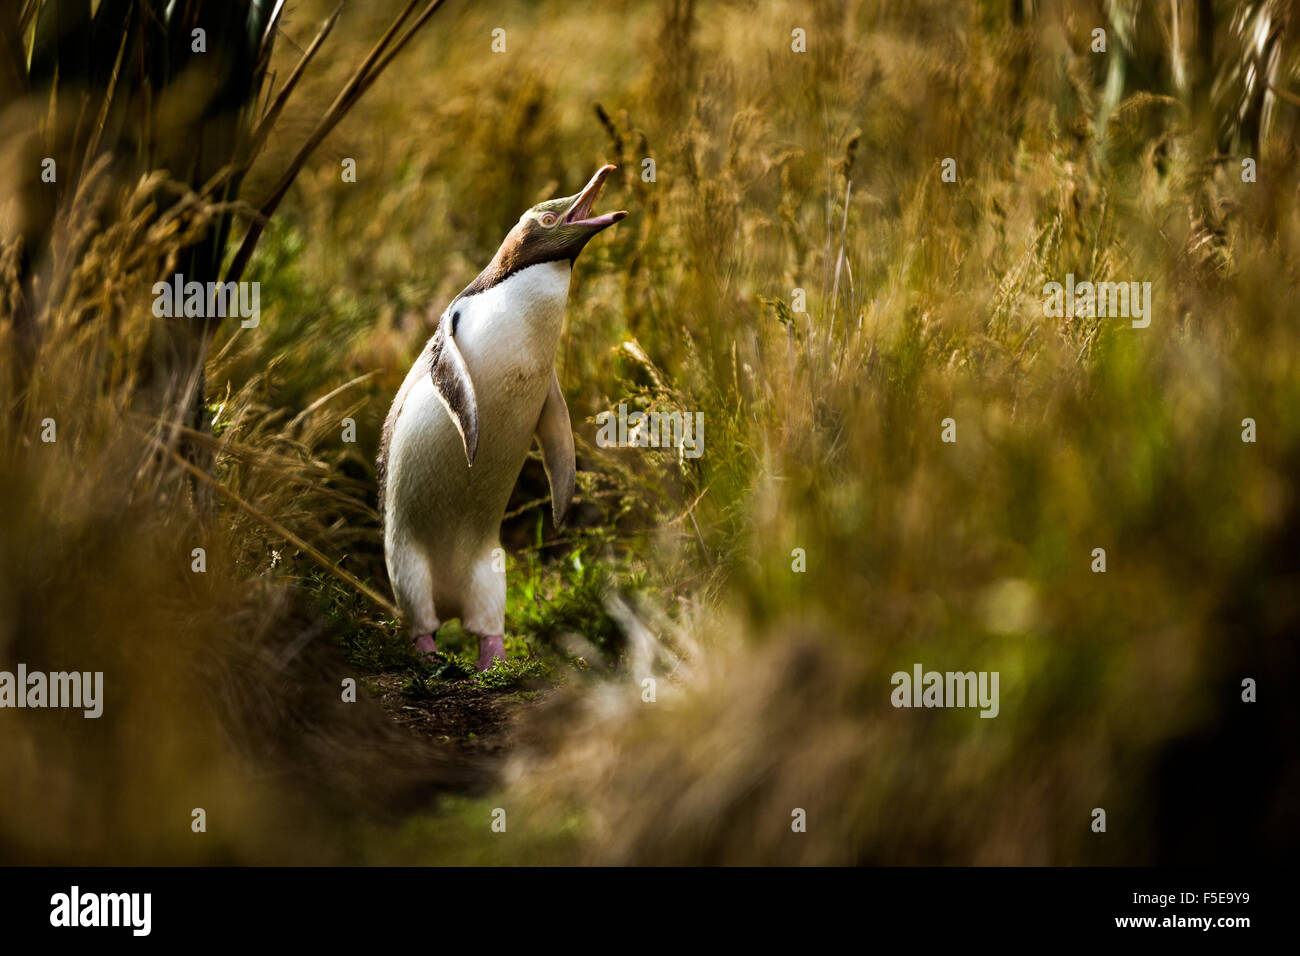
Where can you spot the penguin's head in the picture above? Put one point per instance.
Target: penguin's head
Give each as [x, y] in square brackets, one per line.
[559, 228]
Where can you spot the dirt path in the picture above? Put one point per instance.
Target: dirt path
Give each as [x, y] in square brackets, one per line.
[473, 719]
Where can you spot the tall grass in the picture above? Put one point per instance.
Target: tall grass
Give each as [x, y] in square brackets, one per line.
[775, 171]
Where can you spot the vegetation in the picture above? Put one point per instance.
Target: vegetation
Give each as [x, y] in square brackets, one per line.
[774, 171]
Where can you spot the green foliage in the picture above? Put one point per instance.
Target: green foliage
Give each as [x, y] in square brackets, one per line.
[546, 600]
[924, 301]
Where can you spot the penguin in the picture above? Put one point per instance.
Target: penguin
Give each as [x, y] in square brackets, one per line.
[456, 437]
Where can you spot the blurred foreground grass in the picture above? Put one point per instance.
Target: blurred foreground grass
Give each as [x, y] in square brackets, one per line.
[775, 172]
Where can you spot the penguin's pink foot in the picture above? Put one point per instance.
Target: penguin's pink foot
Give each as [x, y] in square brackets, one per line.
[491, 648]
[424, 644]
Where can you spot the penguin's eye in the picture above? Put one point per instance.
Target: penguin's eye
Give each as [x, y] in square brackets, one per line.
[548, 219]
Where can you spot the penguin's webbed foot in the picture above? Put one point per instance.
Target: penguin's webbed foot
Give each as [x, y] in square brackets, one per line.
[491, 648]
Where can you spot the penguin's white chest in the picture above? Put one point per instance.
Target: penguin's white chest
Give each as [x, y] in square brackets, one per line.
[508, 336]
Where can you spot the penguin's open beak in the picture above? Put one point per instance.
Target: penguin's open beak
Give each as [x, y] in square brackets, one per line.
[579, 214]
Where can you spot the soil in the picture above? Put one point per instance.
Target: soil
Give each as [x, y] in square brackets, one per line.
[475, 720]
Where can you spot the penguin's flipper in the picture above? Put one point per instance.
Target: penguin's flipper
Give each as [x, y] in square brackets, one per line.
[452, 382]
[555, 435]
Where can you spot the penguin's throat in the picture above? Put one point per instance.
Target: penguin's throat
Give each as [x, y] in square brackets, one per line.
[510, 260]
[519, 319]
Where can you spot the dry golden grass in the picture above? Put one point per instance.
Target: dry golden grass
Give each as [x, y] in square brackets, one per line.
[775, 171]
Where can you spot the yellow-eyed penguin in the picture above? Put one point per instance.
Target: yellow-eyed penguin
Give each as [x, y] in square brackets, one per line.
[456, 437]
